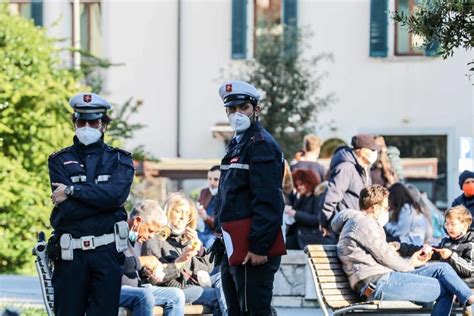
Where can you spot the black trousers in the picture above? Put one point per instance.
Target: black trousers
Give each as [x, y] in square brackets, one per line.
[248, 289]
[90, 284]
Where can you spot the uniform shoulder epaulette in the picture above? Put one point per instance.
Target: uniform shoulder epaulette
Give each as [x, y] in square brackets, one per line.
[59, 152]
[122, 151]
[258, 137]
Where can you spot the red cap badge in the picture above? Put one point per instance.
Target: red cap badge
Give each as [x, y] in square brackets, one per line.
[87, 98]
[228, 87]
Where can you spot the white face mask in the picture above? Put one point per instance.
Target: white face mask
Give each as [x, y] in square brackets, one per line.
[88, 135]
[239, 122]
[175, 230]
[383, 219]
[372, 157]
[213, 191]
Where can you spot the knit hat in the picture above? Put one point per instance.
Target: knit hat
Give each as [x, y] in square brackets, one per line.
[465, 175]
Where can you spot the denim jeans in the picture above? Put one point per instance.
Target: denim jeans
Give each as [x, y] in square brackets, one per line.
[212, 297]
[141, 300]
[433, 281]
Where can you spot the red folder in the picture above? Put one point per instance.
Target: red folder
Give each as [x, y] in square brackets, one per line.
[236, 239]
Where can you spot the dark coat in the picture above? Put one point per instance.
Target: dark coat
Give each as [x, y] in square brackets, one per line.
[347, 178]
[102, 177]
[167, 251]
[251, 186]
[468, 202]
[306, 226]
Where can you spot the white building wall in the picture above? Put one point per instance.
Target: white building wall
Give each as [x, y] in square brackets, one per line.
[206, 45]
[141, 35]
[394, 95]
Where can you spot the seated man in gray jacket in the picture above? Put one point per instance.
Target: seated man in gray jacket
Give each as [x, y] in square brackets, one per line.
[377, 272]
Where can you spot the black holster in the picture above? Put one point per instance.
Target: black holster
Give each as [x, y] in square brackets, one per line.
[53, 249]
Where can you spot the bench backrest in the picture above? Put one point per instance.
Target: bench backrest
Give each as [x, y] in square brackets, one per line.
[329, 278]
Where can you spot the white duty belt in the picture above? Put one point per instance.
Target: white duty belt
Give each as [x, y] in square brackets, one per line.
[92, 242]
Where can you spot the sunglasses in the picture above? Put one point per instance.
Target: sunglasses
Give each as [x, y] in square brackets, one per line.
[92, 123]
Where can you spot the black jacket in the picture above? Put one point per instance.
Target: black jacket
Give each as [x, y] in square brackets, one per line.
[347, 178]
[102, 177]
[461, 260]
[251, 186]
[167, 251]
[306, 226]
[468, 202]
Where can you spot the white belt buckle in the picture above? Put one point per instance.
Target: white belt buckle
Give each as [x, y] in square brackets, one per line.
[87, 243]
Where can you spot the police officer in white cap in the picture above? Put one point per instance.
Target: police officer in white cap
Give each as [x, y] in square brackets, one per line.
[250, 187]
[90, 182]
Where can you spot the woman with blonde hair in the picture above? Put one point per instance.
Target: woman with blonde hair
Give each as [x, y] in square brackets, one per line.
[183, 251]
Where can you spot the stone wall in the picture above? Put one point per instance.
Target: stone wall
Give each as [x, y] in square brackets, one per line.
[293, 285]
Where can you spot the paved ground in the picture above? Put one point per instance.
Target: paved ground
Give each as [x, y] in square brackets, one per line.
[20, 289]
[26, 290]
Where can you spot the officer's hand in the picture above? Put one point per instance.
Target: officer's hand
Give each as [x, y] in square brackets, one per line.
[150, 262]
[254, 259]
[58, 195]
[216, 251]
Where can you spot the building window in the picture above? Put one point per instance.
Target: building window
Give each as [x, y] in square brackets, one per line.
[28, 9]
[277, 17]
[91, 26]
[406, 43]
[267, 20]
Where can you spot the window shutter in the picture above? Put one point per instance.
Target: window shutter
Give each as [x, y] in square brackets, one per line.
[378, 28]
[37, 12]
[239, 29]
[290, 21]
[432, 48]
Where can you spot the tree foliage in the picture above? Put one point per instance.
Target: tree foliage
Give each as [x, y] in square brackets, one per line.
[34, 122]
[291, 84]
[448, 22]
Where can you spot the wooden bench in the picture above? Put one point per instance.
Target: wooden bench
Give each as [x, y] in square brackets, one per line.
[188, 310]
[334, 293]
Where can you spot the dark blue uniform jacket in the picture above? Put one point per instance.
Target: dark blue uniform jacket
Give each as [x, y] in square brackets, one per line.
[101, 176]
[250, 186]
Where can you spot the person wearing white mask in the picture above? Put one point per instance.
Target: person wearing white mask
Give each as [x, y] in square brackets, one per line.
[206, 205]
[90, 183]
[250, 191]
[349, 174]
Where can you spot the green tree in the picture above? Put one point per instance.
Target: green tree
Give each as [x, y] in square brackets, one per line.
[447, 22]
[291, 84]
[34, 122]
